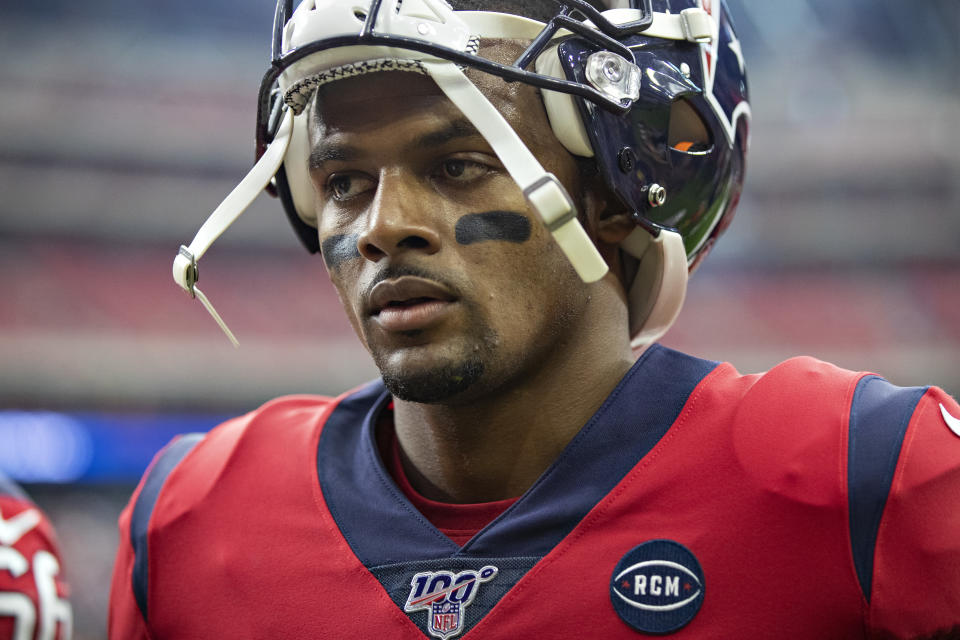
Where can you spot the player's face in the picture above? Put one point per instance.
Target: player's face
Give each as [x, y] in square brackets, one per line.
[451, 282]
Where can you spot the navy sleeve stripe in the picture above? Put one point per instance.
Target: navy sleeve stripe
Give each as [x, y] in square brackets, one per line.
[169, 458]
[879, 416]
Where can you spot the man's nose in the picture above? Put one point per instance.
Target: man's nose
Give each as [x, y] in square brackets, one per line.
[399, 219]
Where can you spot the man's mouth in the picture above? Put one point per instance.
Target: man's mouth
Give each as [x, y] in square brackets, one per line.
[401, 304]
[409, 303]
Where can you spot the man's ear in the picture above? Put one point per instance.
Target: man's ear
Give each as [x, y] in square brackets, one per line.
[614, 228]
[608, 224]
[606, 220]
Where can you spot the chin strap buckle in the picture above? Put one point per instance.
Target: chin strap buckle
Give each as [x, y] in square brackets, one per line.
[697, 25]
[191, 273]
[186, 273]
[693, 25]
[548, 197]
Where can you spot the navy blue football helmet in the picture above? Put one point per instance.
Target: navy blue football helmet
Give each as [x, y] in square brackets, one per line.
[653, 90]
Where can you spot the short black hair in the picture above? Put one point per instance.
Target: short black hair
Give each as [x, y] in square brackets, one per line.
[541, 10]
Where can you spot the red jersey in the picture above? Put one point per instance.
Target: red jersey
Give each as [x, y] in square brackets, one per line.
[33, 593]
[806, 502]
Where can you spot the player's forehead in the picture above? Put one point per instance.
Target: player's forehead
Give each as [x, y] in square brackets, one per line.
[375, 100]
[367, 101]
[387, 115]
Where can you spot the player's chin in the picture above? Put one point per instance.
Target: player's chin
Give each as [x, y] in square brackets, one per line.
[417, 357]
[442, 370]
[437, 384]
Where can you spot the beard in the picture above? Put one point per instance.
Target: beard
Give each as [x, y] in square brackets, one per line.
[448, 376]
[435, 385]
[445, 380]
[474, 363]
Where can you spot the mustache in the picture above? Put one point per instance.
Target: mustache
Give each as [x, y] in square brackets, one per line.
[396, 271]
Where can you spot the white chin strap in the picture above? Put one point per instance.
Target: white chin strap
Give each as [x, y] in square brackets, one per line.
[543, 191]
[663, 268]
[185, 271]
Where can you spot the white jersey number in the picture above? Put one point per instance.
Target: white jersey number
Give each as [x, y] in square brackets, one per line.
[53, 609]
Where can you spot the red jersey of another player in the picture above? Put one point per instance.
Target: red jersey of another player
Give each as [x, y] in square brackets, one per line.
[33, 593]
[806, 502]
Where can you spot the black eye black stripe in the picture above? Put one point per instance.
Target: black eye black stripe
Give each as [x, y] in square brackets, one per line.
[338, 249]
[506, 226]
[493, 225]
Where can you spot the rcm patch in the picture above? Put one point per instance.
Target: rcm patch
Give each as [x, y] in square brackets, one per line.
[657, 587]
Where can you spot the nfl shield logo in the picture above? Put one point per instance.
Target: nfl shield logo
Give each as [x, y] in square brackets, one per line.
[445, 595]
[446, 619]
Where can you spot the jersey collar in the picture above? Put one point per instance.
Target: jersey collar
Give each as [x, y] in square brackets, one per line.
[383, 527]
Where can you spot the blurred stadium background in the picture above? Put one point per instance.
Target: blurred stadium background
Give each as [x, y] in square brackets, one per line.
[123, 124]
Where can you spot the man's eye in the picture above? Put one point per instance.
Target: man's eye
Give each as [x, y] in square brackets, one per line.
[457, 169]
[343, 186]
[454, 168]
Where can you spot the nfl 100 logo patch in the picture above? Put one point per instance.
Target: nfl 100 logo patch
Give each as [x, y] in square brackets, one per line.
[445, 595]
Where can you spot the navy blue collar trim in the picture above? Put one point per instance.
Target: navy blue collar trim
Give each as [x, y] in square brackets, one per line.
[382, 527]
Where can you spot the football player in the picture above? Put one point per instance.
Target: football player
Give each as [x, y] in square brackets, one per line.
[509, 202]
[34, 601]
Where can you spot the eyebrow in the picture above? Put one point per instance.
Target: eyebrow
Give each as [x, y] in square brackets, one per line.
[328, 152]
[333, 152]
[460, 128]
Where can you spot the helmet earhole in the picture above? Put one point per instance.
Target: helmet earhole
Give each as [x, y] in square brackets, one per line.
[687, 132]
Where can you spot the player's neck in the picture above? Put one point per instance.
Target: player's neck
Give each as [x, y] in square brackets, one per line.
[496, 447]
